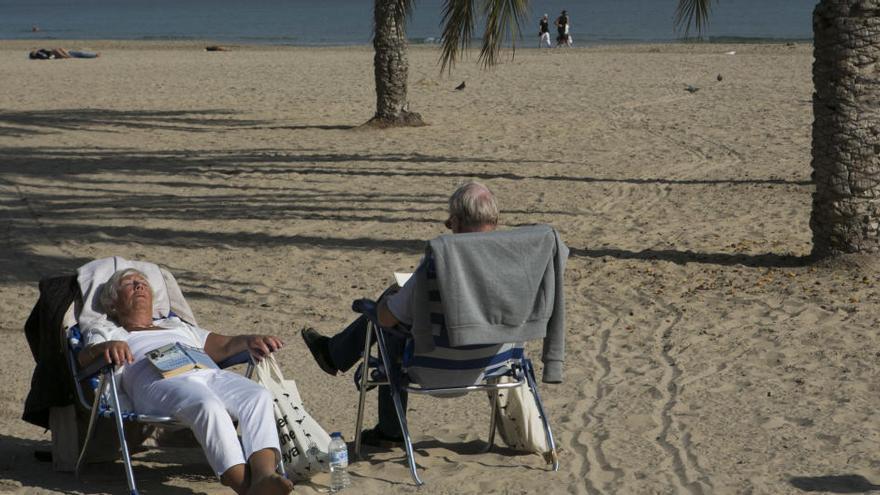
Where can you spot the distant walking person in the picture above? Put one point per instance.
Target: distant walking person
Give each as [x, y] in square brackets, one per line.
[562, 35]
[544, 32]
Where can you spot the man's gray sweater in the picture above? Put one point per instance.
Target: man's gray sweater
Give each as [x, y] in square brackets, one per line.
[495, 287]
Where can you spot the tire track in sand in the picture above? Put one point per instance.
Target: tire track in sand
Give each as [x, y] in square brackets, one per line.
[597, 473]
[681, 455]
[592, 416]
[589, 442]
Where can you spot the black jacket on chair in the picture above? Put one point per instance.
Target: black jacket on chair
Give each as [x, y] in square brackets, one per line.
[52, 383]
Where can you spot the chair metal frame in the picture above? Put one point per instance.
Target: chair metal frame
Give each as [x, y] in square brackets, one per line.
[522, 373]
[101, 377]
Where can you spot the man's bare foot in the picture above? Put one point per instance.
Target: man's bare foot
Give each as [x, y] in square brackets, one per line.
[271, 485]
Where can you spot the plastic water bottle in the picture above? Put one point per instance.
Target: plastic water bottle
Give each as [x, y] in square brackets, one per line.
[339, 479]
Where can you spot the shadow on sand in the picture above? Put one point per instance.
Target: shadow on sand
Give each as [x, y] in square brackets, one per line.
[24, 123]
[433, 446]
[21, 466]
[768, 260]
[844, 483]
[186, 185]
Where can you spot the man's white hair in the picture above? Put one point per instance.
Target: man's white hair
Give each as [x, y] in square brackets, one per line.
[474, 205]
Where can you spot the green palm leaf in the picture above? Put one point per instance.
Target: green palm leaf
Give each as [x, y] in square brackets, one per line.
[503, 20]
[458, 27]
[694, 12]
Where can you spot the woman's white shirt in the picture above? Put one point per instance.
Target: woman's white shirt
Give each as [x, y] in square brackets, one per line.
[141, 373]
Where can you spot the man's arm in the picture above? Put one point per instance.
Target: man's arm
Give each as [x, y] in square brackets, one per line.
[386, 317]
[395, 305]
[221, 347]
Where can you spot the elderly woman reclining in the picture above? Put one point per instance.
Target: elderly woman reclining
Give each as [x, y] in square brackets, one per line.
[206, 400]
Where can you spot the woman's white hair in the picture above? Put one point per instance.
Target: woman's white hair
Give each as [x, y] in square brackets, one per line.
[110, 290]
[474, 205]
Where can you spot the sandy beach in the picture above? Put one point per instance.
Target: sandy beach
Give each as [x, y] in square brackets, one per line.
[705, 352]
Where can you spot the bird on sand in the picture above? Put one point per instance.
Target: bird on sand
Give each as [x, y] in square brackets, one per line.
[719, 78]
[691, 89]
[460, 86]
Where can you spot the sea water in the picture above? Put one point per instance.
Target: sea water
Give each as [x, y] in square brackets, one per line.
[349, 22]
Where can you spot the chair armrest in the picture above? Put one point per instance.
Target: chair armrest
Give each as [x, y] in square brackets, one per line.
[240, 358]
[369, 308]
[99, 365]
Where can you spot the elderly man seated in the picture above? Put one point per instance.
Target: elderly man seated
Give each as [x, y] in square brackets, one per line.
[472, 208]
[206, 400]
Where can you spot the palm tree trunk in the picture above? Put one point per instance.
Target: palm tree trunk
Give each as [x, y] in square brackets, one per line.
[846, 127]
[391, 67]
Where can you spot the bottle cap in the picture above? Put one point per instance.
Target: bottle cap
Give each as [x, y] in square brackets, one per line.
[336, 434]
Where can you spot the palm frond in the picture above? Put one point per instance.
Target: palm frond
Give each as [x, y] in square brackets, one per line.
[403, 10]
[458, 27]
[503, 20]
[694, 12]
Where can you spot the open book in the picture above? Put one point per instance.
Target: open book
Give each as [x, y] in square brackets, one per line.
[174, 359]
[401, 278]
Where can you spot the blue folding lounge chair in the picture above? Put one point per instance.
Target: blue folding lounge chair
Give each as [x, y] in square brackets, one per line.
[99, 381]
[99, 393]
[445, 371]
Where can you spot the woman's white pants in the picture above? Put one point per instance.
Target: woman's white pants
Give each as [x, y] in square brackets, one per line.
[545, 40]
[208, 401]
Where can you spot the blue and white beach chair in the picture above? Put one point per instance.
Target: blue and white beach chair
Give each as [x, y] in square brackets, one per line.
[98, 391]
[109, 401]
[445, 371]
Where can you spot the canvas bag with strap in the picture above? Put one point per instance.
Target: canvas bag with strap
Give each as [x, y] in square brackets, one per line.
[304, 444]
[519, 421]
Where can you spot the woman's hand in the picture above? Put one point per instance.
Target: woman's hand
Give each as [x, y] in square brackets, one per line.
[118, 352]
[261, 346]
[114, 351]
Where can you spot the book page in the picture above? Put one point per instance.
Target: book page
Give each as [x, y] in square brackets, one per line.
[401, 278]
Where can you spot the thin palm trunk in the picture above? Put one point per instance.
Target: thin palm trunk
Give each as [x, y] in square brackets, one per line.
[391, 67]
[846, 127]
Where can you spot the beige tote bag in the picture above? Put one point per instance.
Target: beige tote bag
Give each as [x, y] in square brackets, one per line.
[519, 421]
[304, 444]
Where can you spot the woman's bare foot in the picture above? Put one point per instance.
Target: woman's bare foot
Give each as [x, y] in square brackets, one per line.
[271, 485]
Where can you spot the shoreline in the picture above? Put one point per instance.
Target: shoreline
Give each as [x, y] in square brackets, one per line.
[585, 40]
[523, 45]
